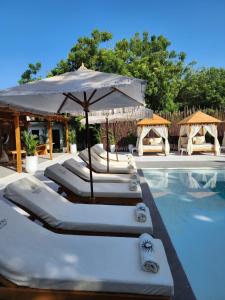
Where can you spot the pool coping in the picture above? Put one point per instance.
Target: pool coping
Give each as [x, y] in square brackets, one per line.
[182, 287]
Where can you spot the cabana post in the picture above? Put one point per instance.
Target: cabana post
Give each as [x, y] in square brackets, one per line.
[18, 142]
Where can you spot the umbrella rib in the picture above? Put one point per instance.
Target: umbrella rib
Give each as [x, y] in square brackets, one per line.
[97, 100]
[92, 95]
[73, 98]
[62, 104]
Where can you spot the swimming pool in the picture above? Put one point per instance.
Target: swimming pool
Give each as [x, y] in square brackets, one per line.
[192, 206]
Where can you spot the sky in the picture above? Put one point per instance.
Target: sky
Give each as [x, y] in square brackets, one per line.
[45, 30]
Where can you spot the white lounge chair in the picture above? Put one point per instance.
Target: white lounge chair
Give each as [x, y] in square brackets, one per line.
[114, 157]
[81, 170]
[36, 263]
[79, 190]
[99, 165]
[59, 214]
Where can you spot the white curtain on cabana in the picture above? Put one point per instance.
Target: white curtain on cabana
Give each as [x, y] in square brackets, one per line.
[142, 131]
[194, 129]
[212, 129]
[183, 131]
[163, 132]
[223, 142]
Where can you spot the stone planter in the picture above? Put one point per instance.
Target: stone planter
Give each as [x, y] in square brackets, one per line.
[73, 148]
[31, 164]
[112, 148]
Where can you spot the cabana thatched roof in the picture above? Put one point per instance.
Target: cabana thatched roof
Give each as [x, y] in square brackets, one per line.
[199, 118]
[155, 120]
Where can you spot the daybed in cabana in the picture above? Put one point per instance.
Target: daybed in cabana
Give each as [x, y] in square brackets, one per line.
[193, 131]
[157, 144]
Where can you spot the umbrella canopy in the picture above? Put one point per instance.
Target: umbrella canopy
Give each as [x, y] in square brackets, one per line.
[155, 120]
[74, 91]
[119, 115]
[199, 118]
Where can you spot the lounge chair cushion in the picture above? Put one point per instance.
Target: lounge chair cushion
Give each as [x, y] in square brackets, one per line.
[32, 256]
[80, 169]
[81, 188]
[112, 156]
[59, 213]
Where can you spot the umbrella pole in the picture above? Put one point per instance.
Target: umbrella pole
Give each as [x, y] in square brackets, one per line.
[107, 143]
[89, 152]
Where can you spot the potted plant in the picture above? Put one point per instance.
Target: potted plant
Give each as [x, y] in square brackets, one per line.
[98, 137]
[30, 142]
[131, 140]
[112, 142]
[72, 141]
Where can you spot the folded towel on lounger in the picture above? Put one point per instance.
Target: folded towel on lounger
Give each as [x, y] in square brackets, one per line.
[133, 185]
[148, 262]
[141, 212]
[135, 177]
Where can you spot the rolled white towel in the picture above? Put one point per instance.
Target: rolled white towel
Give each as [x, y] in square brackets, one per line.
[141, 212]
[146, 245]
[141, 206]
[135, 177]
[131, 166]
[133, 184]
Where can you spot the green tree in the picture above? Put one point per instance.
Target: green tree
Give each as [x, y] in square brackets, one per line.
[28, 75]
[204, 88]
[140, 57]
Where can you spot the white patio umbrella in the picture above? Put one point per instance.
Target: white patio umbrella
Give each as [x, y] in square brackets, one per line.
[73, 92]
[117, 115]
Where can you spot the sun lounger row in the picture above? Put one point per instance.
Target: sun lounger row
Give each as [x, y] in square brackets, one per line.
[52, 265]
[97, 255]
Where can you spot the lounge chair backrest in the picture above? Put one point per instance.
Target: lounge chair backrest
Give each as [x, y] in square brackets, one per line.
[79, 168]
[38, 198]
[99, 151]
[69, 180]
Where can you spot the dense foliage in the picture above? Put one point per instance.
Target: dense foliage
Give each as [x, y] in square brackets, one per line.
[171, 82]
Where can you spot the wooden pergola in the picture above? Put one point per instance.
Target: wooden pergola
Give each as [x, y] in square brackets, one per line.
[14, 116]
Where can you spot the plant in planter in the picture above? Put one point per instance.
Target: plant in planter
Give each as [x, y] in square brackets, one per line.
[72, 141]
[30, 141]
[112, 142]
[131, 140]
[98, 137]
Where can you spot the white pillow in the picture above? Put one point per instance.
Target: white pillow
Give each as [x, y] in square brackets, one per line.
[156, 141]
[199, 140]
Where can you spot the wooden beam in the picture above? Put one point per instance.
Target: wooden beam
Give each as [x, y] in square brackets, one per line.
[50, 138]
[67, 136]
[18, 142]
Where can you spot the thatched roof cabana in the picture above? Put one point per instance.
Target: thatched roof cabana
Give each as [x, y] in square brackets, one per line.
[160, 126]
[154, 121]
[199, 118]
[195, 124]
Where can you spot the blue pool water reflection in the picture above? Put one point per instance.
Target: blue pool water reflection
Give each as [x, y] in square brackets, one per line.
[192, 206]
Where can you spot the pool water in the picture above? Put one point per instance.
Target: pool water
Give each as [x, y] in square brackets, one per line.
[192, 206]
